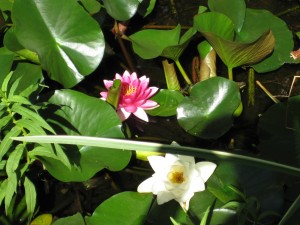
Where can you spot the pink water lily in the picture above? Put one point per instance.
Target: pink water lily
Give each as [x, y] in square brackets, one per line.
[134, 95]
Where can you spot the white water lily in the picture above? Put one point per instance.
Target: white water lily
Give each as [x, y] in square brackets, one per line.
[176, 177]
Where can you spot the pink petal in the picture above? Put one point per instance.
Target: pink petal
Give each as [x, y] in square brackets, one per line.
[149, 104]
[133, 76]
[131, 108]
[140, 113]
[119, 77]
[107, 83]
[104, 94]
[123, 114]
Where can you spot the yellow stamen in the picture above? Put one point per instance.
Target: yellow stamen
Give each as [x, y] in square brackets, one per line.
[130, 90]
[176, 177]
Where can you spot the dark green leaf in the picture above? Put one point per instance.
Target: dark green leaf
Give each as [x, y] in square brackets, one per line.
[86, 161]
[6, 60]
[12, 183]
[259, 21]
[151, 43]
[76, 219]
[92, 6]
[3, 188]
[14, 159]
[67, 52]
[126, 208]
[26, 78]
[30, 196]
[6, 142]
[233, 53]
[28, 113]
[234, 9]
[216, 23]
[168, 101]
[208, 111]
[276, 133]
[121, 9]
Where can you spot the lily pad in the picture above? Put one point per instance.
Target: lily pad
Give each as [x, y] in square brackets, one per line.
[168, 101]
[72, 107]
[121, 9]
[218, 29]
[279, 138]
[152, 43]
[234, 9]
[259, 21]
[126, 208]
[69, 45]
[208, 111]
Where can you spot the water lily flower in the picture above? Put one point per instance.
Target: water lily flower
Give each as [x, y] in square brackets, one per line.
[134, 95]
[176, 177]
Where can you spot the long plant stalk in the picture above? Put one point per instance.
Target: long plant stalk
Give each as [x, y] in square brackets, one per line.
[157, 147]
[183, 73]
[291, 211]
[230, 74]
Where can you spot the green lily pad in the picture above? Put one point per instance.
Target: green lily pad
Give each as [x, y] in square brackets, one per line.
[121, 9]
[233, 9]
[279, 137]
[6, 61]
[70, 220]
[168, 101]
[69, 43]
[100, 120]
[152, 43]
[259, 21]
[126, 208]
[208, 111]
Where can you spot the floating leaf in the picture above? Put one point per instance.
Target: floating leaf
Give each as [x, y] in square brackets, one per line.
[168, 101]
[152, 43]
[70, 107]
[67, 52]
[259, 21]
[208, 111]
[126, 208]
[121, 9]
[233, 53]
[233, 9]
[76, 219]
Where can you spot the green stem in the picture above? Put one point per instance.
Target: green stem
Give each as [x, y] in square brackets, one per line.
[183, 73]
[230, 74]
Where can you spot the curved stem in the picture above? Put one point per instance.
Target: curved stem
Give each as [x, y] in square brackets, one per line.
[230, 74]
[183, 73]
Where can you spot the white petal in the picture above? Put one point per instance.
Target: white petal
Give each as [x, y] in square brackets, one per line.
[197, 184]
[157, 163]
[163, 197]
[188, 159]
[146, 186]
[170, 158]
[140, 113]
[205, 169]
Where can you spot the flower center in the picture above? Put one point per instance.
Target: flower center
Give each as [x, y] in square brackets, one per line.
[128, 89]
[176, 177]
